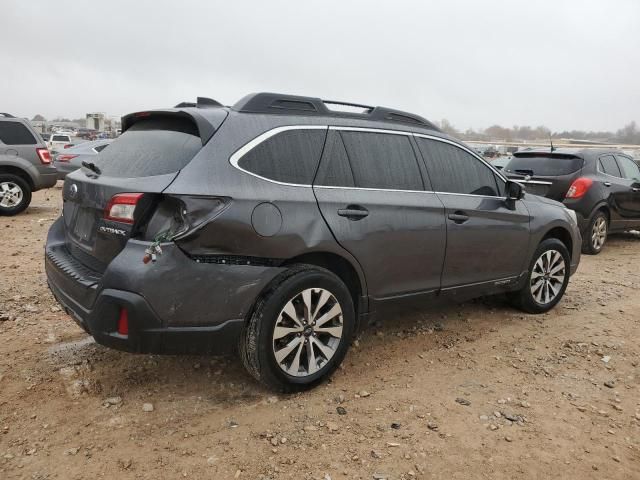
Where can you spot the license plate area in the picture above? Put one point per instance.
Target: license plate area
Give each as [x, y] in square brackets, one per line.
[83, 230]
[536, 189]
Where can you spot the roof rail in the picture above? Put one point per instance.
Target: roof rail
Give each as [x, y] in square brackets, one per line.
[201, 102]
[276, 103]
[7, 115]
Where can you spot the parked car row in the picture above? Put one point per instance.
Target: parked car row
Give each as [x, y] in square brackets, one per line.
[26, 161]
[25, 164]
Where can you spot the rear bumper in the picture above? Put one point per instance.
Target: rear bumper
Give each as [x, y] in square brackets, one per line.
[146, 332]
[174, 305]
[46, 180]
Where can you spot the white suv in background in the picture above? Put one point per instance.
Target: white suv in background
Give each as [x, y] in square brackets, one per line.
[59, 142]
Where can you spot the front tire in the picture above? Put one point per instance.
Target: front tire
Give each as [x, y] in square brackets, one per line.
[299, 330]
[15, 194]
[547, 280]
[596, 235]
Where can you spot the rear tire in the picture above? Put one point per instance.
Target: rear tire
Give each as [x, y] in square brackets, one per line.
[547, 280]
[15, 194]
[299, 330]
[596, 234]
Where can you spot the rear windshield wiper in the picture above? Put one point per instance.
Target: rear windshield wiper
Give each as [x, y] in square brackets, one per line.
[92, 166]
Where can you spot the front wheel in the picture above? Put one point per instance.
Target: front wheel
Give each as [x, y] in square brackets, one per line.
[15, 194]
[300, 329]
[547, 280]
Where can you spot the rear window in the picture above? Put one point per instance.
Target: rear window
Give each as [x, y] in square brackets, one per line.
[544, 165]
[60, 138]
[291, 156]
[14, 133]
[155, 146]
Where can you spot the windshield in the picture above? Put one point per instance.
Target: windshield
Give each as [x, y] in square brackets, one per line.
[155, 146]
[544, 165]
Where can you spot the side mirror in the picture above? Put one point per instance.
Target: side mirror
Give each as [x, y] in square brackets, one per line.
[515, 190]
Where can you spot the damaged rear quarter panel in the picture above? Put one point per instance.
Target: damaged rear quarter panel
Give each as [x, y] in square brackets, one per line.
[183, 292]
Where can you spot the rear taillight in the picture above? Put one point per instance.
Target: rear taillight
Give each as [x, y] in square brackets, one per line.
[123, 322]
[65, 157]
[579, 188]
[121, 207]
[68, 145]
[44, 155]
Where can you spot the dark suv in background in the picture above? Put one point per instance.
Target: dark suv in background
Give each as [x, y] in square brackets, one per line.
[25, 164]
[602, 186]
[282, 223]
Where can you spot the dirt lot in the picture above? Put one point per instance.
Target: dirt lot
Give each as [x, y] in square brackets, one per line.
[467, 391]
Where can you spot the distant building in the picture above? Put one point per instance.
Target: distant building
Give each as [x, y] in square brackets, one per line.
[38, 126]
[95, 121]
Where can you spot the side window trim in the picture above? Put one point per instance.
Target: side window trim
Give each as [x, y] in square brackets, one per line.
[238, 154]
[600, 170]
[409, 138]
[242, 151]
[492, 169]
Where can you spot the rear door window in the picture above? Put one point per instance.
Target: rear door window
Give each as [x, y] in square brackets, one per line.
[14, 133]
[552, 165]
[629, 168]
[382, 160]
[290, 157]
[607, 164]
[454, 170]
[155, 146]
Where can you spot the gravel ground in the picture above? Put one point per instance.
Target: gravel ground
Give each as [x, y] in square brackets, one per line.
[477, 390]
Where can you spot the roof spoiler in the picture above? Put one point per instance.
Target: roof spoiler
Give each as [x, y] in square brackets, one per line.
[206, 126]
[201, 102]
[275, 103]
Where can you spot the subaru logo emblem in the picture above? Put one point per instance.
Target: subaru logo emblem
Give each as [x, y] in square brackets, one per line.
[73, 190]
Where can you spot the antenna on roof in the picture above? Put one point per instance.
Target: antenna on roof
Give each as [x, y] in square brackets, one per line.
[551, 142]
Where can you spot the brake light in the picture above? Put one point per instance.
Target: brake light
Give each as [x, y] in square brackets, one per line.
[579, 188]
[121, 207]
[65, 157]
[44, 155]
[68, 145]
[123, 322]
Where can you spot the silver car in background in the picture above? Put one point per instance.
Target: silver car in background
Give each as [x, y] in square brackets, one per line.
[71, 159]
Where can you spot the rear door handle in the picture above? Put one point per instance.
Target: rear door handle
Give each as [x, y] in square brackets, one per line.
[353, 212]
[636, 189]
[459, 217]
[607, 184]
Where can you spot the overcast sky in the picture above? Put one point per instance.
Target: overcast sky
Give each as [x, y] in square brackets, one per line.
[567, 64]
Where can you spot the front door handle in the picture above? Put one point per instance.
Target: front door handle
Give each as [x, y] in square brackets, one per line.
[353, 212]
[636, 189]
[459, 217]
[607, 184]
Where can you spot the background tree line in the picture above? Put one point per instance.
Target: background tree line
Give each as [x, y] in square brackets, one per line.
[627, 134]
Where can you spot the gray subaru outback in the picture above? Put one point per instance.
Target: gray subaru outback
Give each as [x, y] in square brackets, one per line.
[25, 164]
[280, 225]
